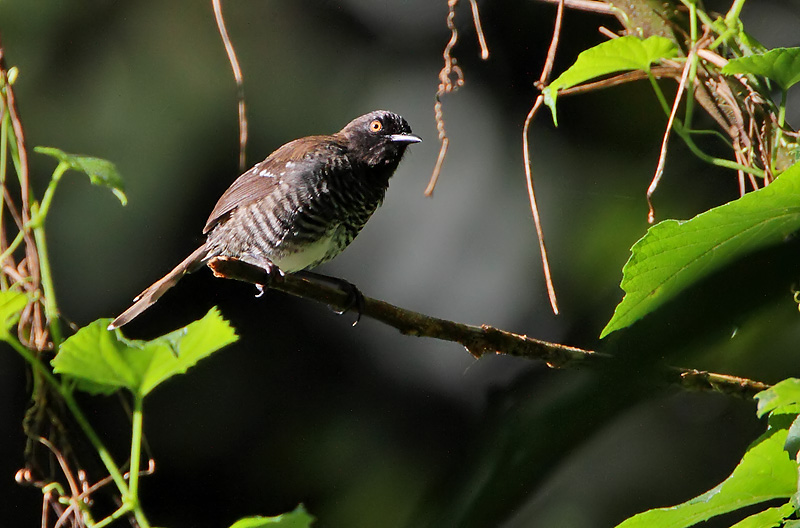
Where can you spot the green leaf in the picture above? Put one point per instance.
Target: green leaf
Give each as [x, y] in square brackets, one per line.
[781, 398]
[103, 361]
[792, 444]
[616, 55]
[781, 65]
[764, 473]
[299, 518]
[768, 518]
[11, 304]
[101, 172]
[675, 254]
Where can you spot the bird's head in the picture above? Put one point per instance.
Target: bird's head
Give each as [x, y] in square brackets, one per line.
[378, 138]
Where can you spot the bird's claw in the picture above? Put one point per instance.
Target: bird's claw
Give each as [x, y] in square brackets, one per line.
[355, 299]
[273, 272]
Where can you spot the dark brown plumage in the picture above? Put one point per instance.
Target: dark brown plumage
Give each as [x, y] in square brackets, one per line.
[302, 205]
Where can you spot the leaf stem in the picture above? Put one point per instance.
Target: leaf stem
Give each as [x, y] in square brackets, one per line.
[38, 217]
[733, 14]
[12, 247]
[136, 450]
[48, 290]
[693, 66]
[119, 512]
[685, 135]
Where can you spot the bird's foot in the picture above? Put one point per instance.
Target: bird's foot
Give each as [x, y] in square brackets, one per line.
[355, 299]
[261, 275]
[272, 272]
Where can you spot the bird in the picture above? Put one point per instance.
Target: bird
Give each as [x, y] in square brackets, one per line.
[301, 206]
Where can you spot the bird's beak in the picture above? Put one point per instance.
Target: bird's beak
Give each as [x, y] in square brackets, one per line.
[404, 138]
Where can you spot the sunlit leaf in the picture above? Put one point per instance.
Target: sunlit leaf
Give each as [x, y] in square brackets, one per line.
[101, 172]
[11, 304]
[765, 473]
[299, 518]
[103, 361]
[769, 518]
[781, 65]
[781, 398]
[792, 444]
[613, 56]
[675, 254]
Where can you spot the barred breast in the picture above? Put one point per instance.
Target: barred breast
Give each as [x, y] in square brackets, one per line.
[298, 227]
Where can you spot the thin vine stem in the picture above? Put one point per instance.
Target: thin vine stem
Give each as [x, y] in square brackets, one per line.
[691, 4]
[48, 289]
[77, 413]
[734, 12]
[136, 450]
[685, 135]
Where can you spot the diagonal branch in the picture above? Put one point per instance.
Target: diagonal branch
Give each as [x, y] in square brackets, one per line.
[478, 340]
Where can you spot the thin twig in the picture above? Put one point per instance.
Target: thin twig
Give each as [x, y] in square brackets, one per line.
[478, 340]
[237, 75]
[551, 51]
[476, 19]
[658, 72]
[447, 84]
[607, 33]
[662, 158]
[546, 70]
[34, 324]
[73, 486]
[551, 291]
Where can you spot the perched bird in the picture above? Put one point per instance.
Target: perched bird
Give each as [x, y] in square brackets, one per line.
[301, 206]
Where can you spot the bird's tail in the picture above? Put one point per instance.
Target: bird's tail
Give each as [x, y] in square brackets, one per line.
[148, 297]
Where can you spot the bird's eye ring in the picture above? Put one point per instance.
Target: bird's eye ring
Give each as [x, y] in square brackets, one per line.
[376, 126]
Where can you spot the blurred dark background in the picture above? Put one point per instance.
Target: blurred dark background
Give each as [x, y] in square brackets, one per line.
[364, 426]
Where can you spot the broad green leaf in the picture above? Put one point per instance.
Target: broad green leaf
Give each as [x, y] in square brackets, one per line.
[765, 473]
[103, 361]
[299, 518]
[617, 55]
[101, 172]
[675, 254]
[781, 398]
[768, 518]
[781, 65]
[11, 304]
[792, 444]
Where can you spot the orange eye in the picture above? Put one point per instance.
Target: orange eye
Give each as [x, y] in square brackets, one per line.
[376, 126]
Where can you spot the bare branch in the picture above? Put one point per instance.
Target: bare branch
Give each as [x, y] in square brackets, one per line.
[478, 340]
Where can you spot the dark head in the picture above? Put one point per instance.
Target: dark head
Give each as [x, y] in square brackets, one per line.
[378, 138]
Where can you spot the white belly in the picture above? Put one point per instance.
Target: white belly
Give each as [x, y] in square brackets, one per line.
[312, 254]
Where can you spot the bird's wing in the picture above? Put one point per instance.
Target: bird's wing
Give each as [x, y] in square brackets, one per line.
[297, 163]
